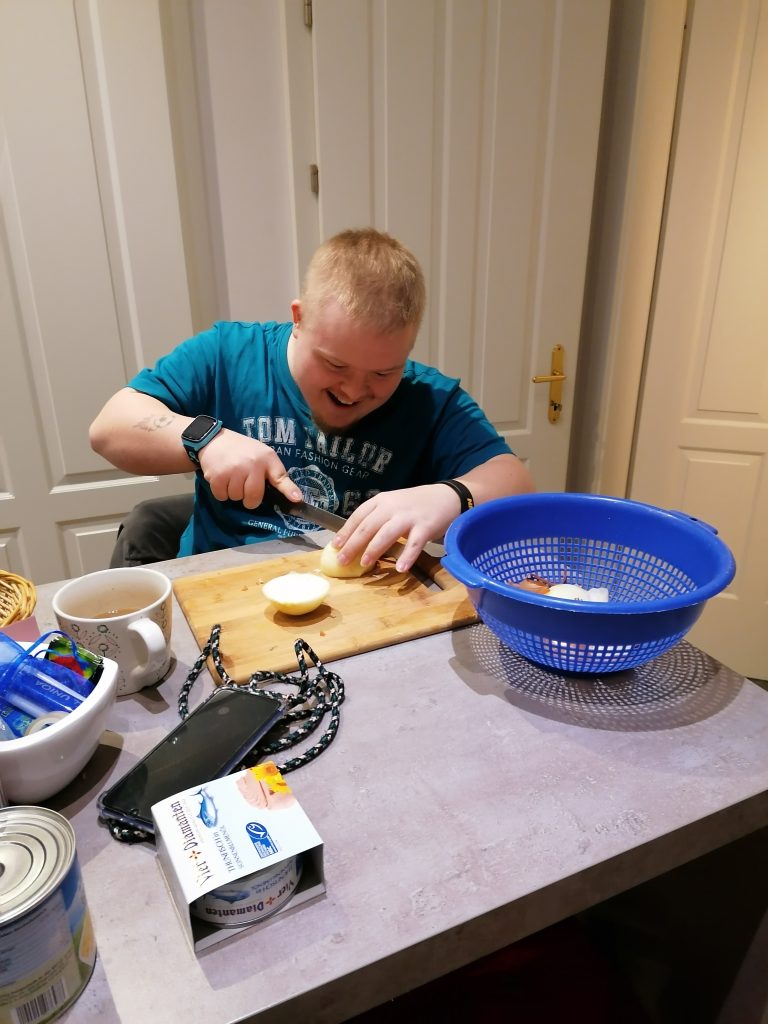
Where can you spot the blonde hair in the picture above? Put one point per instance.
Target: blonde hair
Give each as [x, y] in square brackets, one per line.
[372, 276]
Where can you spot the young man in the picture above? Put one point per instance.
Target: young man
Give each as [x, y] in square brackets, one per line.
[327, 407]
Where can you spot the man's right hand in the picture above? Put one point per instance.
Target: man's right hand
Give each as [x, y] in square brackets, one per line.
[238, 467]
[139, 434]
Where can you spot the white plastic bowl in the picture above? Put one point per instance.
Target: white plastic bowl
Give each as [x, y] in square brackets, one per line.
[33, 768]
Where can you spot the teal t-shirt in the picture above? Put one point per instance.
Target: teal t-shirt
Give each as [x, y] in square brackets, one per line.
[429, 430]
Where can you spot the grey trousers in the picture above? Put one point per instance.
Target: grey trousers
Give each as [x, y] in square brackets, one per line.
[151, 531]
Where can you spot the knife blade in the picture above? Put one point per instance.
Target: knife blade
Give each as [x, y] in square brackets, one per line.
[329, 520]
[312, 513]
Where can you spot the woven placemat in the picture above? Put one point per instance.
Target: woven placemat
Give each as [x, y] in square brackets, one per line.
[18, 598]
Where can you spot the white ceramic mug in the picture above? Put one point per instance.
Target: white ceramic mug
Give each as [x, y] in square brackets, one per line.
[122, 614]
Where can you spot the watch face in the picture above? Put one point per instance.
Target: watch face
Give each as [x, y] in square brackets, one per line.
[198, 428]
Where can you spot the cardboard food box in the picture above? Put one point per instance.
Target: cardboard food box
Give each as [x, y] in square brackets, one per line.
[236, 852]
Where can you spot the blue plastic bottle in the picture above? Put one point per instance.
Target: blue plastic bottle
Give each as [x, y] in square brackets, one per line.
[17, 721]
[36, 685]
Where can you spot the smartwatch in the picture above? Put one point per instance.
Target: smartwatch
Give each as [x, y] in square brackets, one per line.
[200, 431]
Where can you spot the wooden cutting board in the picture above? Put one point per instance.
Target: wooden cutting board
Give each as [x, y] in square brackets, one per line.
[384, 607]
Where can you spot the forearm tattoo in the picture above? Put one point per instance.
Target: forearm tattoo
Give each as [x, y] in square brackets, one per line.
[157, 421]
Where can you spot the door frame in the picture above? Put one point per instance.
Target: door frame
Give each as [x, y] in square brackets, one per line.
[646, 59]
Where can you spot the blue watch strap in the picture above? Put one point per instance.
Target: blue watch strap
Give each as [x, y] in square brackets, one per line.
[200, 432]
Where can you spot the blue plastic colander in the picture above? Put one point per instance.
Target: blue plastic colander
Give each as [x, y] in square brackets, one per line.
[660, 568]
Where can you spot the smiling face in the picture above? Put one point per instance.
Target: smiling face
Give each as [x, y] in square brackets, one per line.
[345, 370]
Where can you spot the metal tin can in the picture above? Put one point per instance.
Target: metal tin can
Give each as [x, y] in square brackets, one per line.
[252, 898]
[47, 948]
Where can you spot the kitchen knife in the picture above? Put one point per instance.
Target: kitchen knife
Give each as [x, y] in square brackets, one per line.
[312, 513]
[328, 520]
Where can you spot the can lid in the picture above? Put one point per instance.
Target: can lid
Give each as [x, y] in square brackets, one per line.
[37, 847]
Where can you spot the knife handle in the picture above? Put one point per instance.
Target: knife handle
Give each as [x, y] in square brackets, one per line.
[274, 497]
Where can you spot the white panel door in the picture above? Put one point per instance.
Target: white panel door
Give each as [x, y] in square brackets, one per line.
[92, 270]
[469, 130]
[702, 444]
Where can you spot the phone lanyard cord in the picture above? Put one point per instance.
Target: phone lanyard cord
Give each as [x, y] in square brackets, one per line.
[315, 697]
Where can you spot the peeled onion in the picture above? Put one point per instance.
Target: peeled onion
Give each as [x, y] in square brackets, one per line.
[296, 593]
[573, 592]
[330, 565]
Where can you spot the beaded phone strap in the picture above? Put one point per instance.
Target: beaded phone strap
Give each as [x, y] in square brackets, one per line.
[314, 698]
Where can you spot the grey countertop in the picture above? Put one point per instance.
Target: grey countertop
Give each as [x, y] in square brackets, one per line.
[469, 799]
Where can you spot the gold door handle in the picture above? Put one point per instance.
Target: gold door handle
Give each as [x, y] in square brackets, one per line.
[555, 379]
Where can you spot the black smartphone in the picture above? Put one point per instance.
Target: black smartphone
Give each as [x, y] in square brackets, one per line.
[210, 742]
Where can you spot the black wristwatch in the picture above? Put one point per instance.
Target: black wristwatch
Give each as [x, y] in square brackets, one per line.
[200, 431]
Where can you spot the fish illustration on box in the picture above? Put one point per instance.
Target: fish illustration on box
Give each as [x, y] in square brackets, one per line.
[208, 812]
